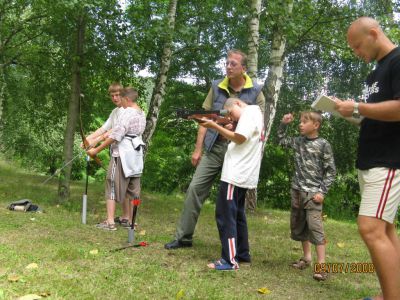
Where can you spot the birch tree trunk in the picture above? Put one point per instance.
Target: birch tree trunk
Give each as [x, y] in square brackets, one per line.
[252, 69]
[273, 82]
[253, 39]
[159, 89]
[73, 111]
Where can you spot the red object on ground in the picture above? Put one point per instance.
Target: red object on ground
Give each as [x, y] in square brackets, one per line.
[142, 244]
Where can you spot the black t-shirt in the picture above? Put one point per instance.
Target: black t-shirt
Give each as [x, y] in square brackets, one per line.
[379, 142]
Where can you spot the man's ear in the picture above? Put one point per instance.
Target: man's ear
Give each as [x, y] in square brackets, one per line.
[374, 33]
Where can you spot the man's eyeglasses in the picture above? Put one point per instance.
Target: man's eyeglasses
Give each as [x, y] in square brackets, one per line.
[231, 63]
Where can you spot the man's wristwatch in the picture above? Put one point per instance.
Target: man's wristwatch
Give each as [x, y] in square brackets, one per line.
[356, 113]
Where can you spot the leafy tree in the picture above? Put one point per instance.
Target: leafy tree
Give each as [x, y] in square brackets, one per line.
[20, 23]
[168, 167]
[37, 55]
[44, 79]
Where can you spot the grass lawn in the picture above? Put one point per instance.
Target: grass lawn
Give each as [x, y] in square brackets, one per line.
[76, 261]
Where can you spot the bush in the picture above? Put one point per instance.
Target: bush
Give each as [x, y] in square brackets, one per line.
[167, 166]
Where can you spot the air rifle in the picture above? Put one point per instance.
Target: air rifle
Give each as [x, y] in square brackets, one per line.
[219, 116]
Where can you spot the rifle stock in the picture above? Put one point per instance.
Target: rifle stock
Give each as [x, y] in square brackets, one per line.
[219, 116]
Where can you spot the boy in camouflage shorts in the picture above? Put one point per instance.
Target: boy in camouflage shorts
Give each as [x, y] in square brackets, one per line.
[314, 173]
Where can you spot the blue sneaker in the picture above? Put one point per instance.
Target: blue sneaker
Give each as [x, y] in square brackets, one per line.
[222, 265]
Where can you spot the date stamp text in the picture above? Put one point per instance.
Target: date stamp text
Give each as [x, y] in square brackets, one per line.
[354, 267]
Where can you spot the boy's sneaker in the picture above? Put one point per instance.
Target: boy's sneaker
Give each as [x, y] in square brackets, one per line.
[106, 226]
[222, 265]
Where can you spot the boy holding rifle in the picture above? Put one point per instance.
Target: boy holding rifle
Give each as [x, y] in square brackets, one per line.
[240, 172]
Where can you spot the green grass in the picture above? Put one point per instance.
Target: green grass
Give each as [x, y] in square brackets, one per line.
[60, 245]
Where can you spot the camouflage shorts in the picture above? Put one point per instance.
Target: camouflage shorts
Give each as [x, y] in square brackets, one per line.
[306, 218]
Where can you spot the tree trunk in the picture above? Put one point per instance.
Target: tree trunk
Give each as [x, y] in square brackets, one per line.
[253, 39]
[73, 111]
[159, 89]
[2, 99]
[273, 82]
[252, 69]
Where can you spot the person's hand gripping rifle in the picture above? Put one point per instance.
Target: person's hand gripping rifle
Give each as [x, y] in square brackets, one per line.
[218, 116]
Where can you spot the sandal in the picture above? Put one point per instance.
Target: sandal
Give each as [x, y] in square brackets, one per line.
[301, 264]
[124, 222]
[128, 226]
[121, 221]
[222, 265]
[320, 276]
[106, 226]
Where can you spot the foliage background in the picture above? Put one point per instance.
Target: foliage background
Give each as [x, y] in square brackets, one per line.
[36, 52]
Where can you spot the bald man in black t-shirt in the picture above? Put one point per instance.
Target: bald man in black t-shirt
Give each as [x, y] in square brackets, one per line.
[378, 158]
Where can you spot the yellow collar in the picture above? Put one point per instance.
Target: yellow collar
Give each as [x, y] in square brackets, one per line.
[224, 84]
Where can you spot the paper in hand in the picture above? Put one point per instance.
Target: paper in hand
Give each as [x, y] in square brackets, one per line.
[327, 104]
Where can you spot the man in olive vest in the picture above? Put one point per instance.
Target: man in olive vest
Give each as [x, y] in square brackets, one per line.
[236, 84]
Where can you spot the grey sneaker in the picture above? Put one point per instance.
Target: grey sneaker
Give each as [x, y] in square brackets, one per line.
[106, 226]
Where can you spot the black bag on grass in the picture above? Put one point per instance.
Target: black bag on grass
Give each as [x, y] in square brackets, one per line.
[23, 205]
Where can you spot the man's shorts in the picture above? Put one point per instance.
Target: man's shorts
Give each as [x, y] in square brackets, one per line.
[306, 218]
[118, 187]
[380, 193]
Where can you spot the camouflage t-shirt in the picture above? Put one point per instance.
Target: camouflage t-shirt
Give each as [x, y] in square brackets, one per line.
[314, 163]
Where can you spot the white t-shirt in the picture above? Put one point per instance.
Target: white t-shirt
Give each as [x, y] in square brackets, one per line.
[112, 119]
[242, 162]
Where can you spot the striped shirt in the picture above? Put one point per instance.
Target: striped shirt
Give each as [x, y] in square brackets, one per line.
[130, 122]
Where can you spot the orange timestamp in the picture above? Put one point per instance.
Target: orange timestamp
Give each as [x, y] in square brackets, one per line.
[354, 267]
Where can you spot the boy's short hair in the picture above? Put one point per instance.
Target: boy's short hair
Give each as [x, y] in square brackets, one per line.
[230, 102]
[312, 116]
[115, 87]
[241, 53]
[130, 93]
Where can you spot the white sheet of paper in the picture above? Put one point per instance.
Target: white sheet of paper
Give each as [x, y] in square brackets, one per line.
[327, 104]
